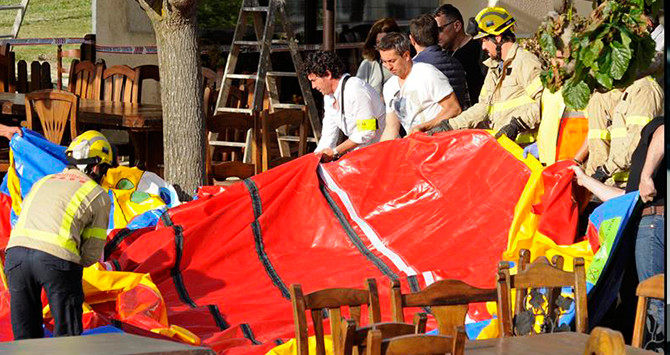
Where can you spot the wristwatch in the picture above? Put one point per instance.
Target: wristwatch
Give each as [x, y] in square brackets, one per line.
[336, 154]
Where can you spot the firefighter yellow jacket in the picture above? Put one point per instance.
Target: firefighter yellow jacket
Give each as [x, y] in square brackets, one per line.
[511, 89]
[65, 215]
[616, 120]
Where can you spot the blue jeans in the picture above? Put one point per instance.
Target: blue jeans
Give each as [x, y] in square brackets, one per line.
[650, 258]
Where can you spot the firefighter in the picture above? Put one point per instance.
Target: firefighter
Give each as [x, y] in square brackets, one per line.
[615, 121]
[509, 101]
[62, 228]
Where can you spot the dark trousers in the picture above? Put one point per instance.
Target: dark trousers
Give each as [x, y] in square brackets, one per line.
[28, 271]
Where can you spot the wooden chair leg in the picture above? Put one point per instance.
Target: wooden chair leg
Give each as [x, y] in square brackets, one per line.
[640, 316]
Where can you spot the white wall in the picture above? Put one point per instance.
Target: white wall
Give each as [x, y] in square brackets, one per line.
[124, 23]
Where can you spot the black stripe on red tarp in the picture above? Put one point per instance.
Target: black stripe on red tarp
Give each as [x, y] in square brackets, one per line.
[413, 283]
[167, 221]
[246, 330]
[176, 271]
[111, 246]
[218, 318]
[354, 238]
[117, 266]
[258, 239]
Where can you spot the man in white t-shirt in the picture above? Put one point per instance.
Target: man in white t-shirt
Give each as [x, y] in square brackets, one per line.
[419, 96]
[350, 105]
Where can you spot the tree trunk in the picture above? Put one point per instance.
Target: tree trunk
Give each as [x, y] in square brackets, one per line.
[181, 91]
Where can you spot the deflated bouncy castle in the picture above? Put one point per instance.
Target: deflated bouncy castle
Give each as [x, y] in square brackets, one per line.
[216, 271]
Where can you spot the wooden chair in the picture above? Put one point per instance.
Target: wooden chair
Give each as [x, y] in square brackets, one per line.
[540, 274]
[120, 83]
[55, 110]
[653, 287]
[448, 301]
[85, 79]
[146, 72]
[7, 71]
[416, 344]
[222, 170]
[605, 341]
[331, 300]
[228, 134]
[354, 339]
[521, 293]
[60, 70]
[211, 81]
[271, 122]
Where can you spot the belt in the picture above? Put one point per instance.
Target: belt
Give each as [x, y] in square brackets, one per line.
[653, 210]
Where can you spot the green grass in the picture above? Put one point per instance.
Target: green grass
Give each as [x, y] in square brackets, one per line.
[48, 18]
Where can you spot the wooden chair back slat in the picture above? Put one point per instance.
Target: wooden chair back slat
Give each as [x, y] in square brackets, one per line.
[85, 79]
[541, 274]
[45, 76]
[22, 77]
[7, 71]
[330, 300]
[532, 276]
[417, 344]
[35, 73]
[448, 299]
[653, 287]
[55, 109]
[121, 84]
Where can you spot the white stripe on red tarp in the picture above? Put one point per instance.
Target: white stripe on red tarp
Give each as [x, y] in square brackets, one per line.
[370, 233]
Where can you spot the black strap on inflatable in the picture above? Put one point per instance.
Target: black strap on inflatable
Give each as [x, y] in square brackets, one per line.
[165, 217]
[218, 318]
[246, 330]
[118, 238]
[179, 281]
[175, 272]
[258, 239]
[413, 283]
[354, 238]
[117, 266]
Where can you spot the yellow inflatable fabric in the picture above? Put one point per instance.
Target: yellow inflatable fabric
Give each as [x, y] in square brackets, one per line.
[123, 181]
[291, 348]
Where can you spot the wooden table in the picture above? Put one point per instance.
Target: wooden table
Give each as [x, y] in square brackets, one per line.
[144, 123]
[116, 343]
[13, 104]
[568, 343]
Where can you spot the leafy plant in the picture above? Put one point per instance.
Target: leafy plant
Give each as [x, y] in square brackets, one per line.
[607, 50]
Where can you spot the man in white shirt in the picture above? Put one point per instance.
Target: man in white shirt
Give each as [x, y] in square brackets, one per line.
[419, 96]
[350, 105]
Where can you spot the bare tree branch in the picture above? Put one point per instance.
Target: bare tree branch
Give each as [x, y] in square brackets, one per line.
[150, 8]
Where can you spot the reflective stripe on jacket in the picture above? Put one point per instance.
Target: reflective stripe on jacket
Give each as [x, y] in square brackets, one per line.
[65, 215]
[511, 91]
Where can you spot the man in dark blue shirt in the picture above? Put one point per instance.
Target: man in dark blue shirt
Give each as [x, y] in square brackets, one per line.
[423, 36]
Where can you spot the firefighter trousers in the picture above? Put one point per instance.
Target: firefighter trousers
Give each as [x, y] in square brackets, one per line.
[30, 270]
